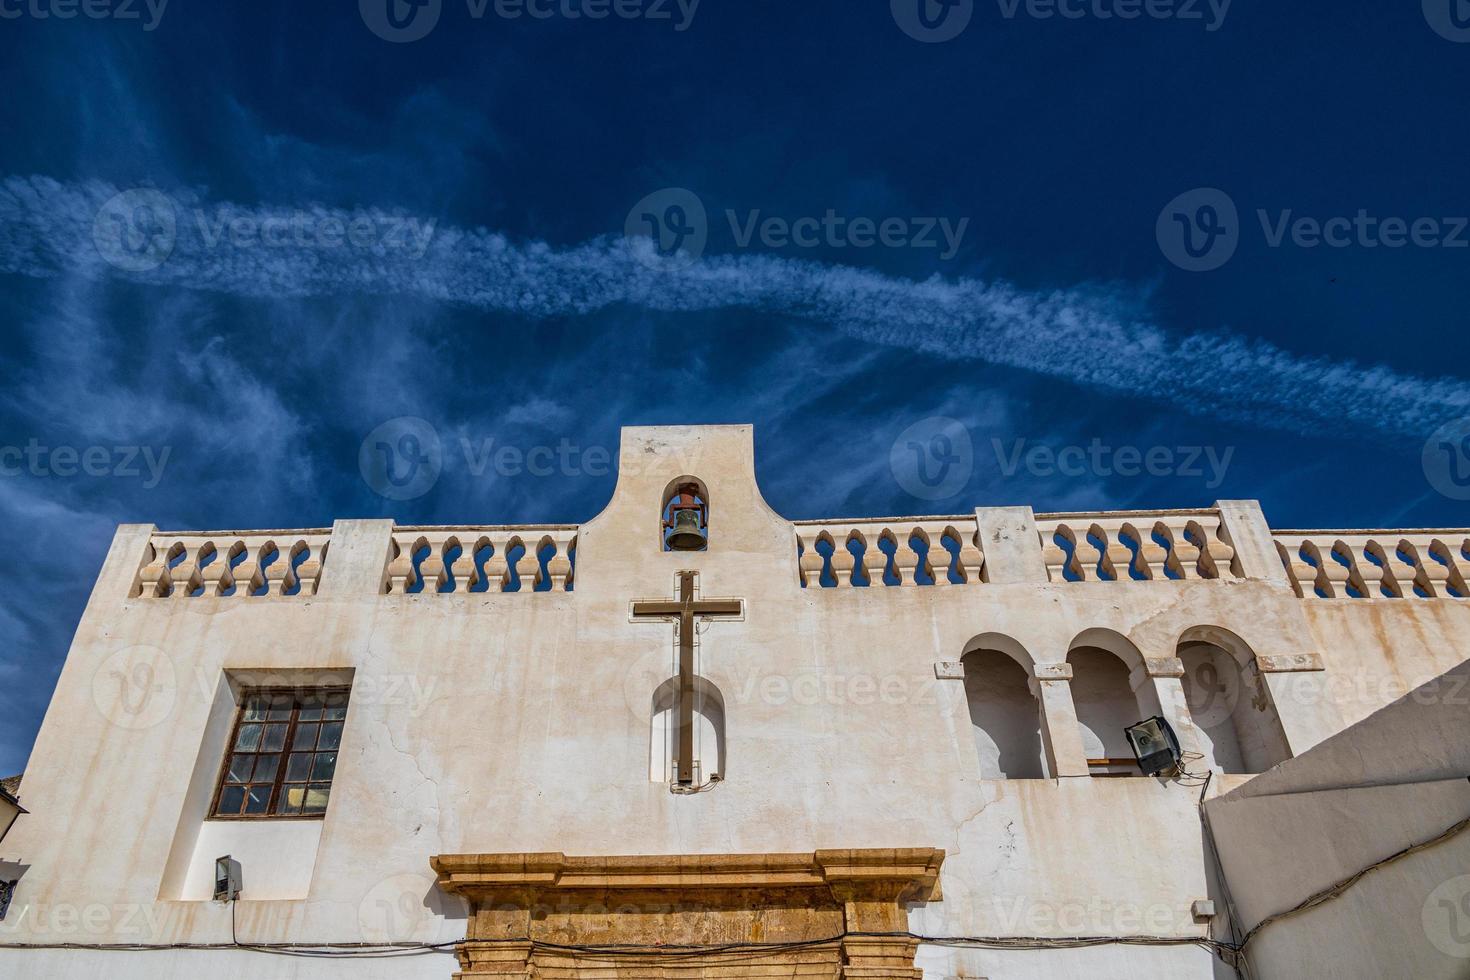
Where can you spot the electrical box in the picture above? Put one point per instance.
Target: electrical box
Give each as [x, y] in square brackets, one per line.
[226, 879]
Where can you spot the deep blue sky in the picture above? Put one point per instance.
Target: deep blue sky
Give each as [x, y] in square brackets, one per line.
[526, 319]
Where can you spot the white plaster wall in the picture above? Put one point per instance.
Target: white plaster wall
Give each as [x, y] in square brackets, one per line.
[510, 722]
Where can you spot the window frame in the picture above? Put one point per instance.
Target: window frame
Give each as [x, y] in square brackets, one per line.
[298, 694]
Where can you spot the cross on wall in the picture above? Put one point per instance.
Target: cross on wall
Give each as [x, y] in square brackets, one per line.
[682, 611]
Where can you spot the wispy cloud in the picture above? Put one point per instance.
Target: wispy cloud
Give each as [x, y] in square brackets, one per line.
[1089, 335]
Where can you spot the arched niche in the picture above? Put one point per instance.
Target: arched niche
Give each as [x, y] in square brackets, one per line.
[666, 504]
[709, 732]
[1005, 716]
[1104, 664]
[1229, 702]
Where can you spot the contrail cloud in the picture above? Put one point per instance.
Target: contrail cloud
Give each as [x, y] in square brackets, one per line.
[1089, 336]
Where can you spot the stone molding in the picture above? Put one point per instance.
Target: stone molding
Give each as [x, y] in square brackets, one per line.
[1289, 663]
[836, 914]
[1163, 666]
[1052, 672]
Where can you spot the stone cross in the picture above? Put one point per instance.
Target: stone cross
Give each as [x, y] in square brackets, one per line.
[682, 610]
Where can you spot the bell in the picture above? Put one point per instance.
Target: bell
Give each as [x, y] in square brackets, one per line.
[687, 534]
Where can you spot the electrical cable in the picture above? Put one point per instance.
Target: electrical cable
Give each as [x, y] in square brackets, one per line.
[1232, 953]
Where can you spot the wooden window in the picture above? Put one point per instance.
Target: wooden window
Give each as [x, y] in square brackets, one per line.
[282, 755]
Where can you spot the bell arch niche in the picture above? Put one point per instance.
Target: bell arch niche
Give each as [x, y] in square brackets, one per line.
[1229, 702]
[1005, 715]
[709, 733]
[684, 515]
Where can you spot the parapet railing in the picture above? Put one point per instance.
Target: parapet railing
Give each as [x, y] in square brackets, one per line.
[1425, 564]
[190, 564]
[889, 551]
[1136, 546]
[502, 558]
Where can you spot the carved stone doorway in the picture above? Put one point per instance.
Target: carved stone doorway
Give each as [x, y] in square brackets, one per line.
[830, 914]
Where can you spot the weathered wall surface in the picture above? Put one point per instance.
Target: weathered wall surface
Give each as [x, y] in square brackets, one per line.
[1400, 778]
[520, 721]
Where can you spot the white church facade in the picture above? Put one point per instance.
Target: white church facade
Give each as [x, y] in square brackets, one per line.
[861, 748]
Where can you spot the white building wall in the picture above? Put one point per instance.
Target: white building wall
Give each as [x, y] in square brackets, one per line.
[521, 722]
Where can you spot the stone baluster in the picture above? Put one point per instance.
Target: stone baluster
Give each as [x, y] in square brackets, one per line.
[401, 576]
[246, 573]
[153, 578]
[560, 565]
[184, 576]
[843, 560]
[215, 577]
[462, 568]
[528, 566]
[1153, 558]
[279, 575]
[1387, 580]
[309, 572]
[971, 563]
[874, 562]
[905, 559]
[1444, 568]
[431, 569]
[810, 564]
[1087, 558]
[497, 569]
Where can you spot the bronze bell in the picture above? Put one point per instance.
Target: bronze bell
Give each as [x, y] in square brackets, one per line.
[688, 531]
